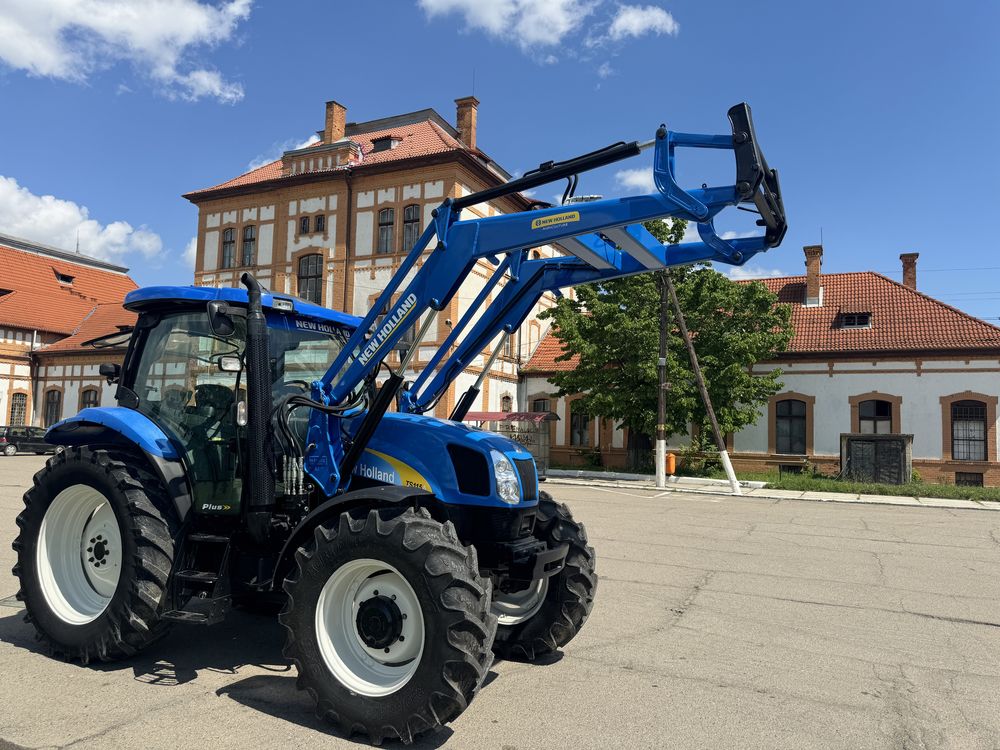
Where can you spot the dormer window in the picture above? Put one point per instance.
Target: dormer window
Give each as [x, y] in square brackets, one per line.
[385, 143]
[856, 320]
[63, 278]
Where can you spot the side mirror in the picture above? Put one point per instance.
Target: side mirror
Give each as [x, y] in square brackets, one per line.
[230, 363]
[110, 370]
[219, 319]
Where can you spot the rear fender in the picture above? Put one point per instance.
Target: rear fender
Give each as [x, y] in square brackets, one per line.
[370, 497]
[129, 429]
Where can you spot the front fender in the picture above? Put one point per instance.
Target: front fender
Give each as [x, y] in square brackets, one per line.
[116, 425]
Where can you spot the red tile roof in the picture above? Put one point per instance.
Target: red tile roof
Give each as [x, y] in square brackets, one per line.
[416, 139]
[102, 320]
[36, 300]
[903, 320]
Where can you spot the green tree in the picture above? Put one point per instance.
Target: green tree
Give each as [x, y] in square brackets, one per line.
[613, 330]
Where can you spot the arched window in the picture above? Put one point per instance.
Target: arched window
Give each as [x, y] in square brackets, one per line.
[386, 225]
[311, 278]
[89, 398]
[228, 248]
[968, 431]
[790, 427]
[249, 245]
[18, 408]
[875, 417]
[411, 227]
[506, 403]
[53, 407]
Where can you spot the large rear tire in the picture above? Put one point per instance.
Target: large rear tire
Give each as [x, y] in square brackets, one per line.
[94, 554]
[388, 623]
[541, 619]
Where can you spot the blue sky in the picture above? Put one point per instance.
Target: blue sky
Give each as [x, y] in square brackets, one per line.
[880, 116]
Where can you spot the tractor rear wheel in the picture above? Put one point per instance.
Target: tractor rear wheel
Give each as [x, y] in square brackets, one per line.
[388, 623]
[94, 554]
[540, 619]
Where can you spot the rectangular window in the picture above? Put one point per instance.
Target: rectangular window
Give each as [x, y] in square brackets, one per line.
[228, 248]
[321, 223]
[579, 429]
[310, 286]
[249, 245]
[411, 227]
[875, 417]
[540, 404]
[968, 479]
[790, 427]
[968, 431]
[53, 407]
[386, 234]
[856, 320]
[304, 225]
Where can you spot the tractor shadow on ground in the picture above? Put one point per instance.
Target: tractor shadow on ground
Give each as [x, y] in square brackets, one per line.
[242, 640]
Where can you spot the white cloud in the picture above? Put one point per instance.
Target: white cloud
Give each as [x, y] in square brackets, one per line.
[638, 180]
[277, 148]
[744, 273]
[61, 223]
[605, 70]
[529, 23]
[71, 39]
[637, 20]
[190, 251]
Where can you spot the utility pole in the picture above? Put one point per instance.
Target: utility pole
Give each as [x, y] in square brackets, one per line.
[661, 392]
[719, 440]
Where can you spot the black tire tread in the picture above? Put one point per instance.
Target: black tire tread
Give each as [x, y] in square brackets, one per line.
[461, 593]
[570, 598]
[151, 524]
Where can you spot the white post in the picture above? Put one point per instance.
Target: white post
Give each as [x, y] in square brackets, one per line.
[661, 463]
[728, 466]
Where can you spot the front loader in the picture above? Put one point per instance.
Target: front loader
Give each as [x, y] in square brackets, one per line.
[253, 454]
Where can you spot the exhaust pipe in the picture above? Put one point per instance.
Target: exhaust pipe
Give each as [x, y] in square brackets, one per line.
[259, 496]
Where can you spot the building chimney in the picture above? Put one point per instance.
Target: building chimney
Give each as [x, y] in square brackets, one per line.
[336, 122]
[909, 269]
[814, 262]
[465, 120]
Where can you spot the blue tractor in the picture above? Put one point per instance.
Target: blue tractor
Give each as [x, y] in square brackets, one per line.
[253, 453]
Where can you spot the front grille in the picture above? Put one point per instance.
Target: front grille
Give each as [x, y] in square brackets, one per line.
[529, 479]
[471, 470]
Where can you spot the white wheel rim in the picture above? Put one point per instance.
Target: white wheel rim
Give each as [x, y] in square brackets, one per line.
[516, 607]
[79, 554]
[10, 450]
[360, 668]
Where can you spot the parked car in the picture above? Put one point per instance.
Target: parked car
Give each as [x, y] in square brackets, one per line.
[21, 439]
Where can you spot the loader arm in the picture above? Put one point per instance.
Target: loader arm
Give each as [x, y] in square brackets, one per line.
[605, 237]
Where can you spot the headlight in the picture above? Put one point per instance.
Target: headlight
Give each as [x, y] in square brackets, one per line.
[508, 488]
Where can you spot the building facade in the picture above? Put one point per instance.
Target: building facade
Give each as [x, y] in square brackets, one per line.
[332, 222]
[869, 355]
[51, 303]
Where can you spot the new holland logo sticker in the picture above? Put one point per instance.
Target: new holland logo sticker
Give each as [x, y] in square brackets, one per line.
[390, 324]
[555, 220]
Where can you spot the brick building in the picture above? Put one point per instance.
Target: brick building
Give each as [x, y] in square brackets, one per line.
[331, 222]
[52, 301]
[868, 355]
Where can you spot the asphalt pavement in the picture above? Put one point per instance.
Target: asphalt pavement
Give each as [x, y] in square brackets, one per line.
[720, 622]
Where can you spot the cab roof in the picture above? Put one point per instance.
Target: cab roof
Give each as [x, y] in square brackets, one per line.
[159, 297]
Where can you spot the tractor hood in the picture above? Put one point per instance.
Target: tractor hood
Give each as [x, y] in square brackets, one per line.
[451, 459]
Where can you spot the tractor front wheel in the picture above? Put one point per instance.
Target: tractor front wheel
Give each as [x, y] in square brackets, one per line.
[93, 554]
[388, 623]
[536, 621]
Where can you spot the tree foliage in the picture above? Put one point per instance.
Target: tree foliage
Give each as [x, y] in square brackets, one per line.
[613, 329]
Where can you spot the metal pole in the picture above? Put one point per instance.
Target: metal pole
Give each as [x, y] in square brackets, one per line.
[719, 441]
[661, 392]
